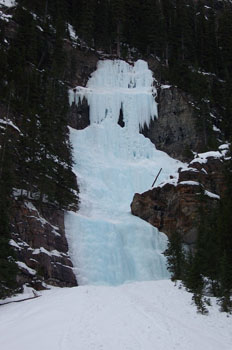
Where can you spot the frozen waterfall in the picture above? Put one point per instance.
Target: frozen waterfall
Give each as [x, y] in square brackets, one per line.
[107, 244]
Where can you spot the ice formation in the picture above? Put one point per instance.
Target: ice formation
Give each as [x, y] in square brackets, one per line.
[107, 244]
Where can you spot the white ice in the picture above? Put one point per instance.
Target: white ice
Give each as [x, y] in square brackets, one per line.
[107, 244]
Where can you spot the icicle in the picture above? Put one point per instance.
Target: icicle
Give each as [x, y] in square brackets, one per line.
[116, 83]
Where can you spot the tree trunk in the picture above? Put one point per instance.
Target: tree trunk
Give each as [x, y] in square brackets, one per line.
[118, 39]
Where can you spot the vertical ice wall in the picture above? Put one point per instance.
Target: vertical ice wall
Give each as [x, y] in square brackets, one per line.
[107, 244]
[116, 85]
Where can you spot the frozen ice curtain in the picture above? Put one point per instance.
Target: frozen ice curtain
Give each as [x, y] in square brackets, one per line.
[107, 244]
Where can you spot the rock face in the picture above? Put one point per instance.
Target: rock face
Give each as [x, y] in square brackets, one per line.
[175, 130]
[178, 205]
[85, 64]
[38, 238]
[79, 115]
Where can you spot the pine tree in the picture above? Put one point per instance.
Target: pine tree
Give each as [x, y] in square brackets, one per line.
[8, 268]
[225, 279]
[102, 25]
[132, 30]
[175, 256]
[225, 41]
[200, 303]
[118, 16]
[87, 20]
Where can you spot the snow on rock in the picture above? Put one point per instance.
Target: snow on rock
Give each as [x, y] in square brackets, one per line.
[50, 253]
[194, 170]
[212, 116]
[39, 241]
[72, 32]
[107, 244]
[30, 206]
[166, 86]
[202, 157]
[41, 29]
[18, 192]
[172, 181]
[14, 244]
[8, 3]
[9, 122]
[23, 266]
[137, 316]
[5, 17]
[225, 146]
[212, 195]
[190, 183]
[215, 128]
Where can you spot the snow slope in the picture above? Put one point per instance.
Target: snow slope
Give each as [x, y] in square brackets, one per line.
[137, 316]
[107, 244]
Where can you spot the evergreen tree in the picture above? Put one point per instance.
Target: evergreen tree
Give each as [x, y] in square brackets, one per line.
[8, 268]
[101, 34]
[225, 42]
[132, 23]
[175, 256]
[40, 100]
[225, 279]
[193, 280]
[118, 17]
[87, 20]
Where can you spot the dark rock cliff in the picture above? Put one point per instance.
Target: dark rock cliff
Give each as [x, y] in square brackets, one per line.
[38, 237]
[84, 64]
[178, 204]
[79, 115]
[175, 131]
[178, 131]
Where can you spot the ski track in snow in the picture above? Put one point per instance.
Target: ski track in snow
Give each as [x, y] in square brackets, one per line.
[136, 316]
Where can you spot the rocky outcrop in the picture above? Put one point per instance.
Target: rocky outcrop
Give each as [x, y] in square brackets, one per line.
[37, 235]
[82, 62]
[178, 204]
[78, 117]
[85, 63]
[175, 131]
[38, 238]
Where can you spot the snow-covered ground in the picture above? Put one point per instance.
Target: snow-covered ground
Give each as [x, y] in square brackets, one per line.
[137, 316]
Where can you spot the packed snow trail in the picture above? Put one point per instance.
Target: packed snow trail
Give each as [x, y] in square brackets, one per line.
[107, 244]
[137, 316]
